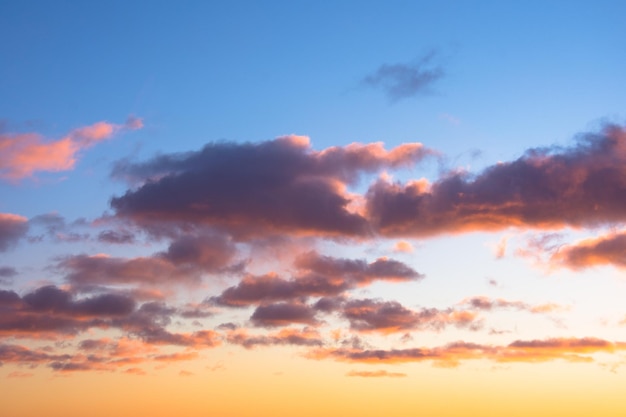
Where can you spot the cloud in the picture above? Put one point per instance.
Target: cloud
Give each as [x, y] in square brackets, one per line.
[400, 81]
[319, 276]
[403, 246]
[283, 314]
[184, 262]
[603, 250]
[376, 374]
[12, 229]
[251, 190]
[296, 337]
[488, 304]
[50, 312]
[6, 275]
[116, 237]
[569, 349]
[22, 155]
[580, 186]
[386, 317]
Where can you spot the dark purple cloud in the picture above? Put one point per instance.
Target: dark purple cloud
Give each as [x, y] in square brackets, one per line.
[320, 276]
[12, 229]
[584, 185]
[185, 261]
[283, 314]
[273, 187]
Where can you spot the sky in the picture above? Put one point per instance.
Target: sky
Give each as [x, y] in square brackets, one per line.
[312, 208]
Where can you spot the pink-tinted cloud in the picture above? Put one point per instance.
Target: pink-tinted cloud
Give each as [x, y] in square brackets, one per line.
[604, 250]
[275, 187]
[544, 189]
[22, 155]
[12, 229]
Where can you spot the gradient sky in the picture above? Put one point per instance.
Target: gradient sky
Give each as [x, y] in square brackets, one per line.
[312, 208]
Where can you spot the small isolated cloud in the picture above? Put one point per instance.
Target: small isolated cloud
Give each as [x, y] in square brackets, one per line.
[400, 81]
[23, 154]
[376, 374]
[403, 246]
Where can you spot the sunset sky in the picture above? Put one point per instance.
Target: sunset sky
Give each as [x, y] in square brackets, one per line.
[304, 208]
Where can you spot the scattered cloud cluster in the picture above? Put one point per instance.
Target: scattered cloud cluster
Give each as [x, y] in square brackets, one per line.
[203, 214]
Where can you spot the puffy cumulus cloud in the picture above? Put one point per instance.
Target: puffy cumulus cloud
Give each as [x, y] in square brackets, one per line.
[12, 229]
[400, 81]
[369, 315]
[319, 276]
[50, 312]
[552, 188]
[289, 336]
[185, 260]
[604, 250]
[252, 189]
[569, 349]
[21, 155]
[283, 314]
[376, 374]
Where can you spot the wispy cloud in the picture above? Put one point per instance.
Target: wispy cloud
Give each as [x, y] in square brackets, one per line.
[401, 81]
[22, 155]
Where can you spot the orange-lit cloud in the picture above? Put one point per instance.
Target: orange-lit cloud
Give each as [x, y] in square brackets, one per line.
[544, 189]
[403, 246]
[22, 155]
[572, 349]
[604, 250]
[298, 337]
